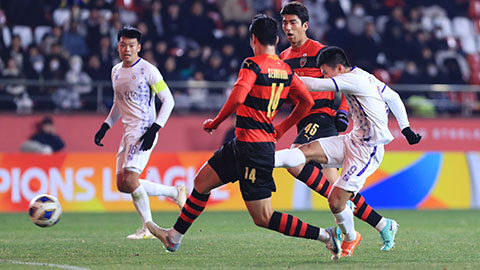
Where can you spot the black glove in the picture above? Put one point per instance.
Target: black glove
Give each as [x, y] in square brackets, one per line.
[149, 137]
[341, 121]
[101, 133]
[412, 137]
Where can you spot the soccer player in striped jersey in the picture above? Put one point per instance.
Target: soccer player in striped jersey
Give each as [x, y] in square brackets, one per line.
[135, 84]
[263, 84]
[322, 120]
[359, 152]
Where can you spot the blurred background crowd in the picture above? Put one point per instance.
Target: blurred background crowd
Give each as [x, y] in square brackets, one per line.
[74, 41]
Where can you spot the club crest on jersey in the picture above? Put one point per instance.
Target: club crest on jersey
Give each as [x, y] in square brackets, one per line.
[303, 60]
[134, 77]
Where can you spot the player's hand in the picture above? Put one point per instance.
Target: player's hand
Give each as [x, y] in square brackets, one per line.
[149, 137]
[208, 126]
[341, 120]
[101, 133]
[412, 137]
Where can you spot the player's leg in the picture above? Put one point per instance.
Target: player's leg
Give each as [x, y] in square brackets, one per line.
[177, 193]
[264, 216]
[344, 218]
[127, 182]
[206, 180]
[219, 170]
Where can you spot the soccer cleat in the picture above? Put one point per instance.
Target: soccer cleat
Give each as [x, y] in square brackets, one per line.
[334, 242]
[349, 247]
[388, 235]
[163, 235]
[142, 233]
[181, 196]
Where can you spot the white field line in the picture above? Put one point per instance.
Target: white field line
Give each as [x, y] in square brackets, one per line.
[61, 266]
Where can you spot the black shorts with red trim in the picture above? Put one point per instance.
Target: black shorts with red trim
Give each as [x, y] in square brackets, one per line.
[315, 126]
[250, 163]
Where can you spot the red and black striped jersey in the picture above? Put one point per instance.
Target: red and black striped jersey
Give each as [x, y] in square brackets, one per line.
[269, 80]
[303, 62]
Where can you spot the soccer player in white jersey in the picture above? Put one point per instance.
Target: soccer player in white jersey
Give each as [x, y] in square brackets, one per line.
[135, 84]
[359, 152]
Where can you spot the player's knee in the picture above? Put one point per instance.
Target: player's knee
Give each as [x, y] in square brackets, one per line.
[335, 203]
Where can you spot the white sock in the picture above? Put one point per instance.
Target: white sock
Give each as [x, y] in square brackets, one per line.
[288, 158]
[345, 222]
[323, 235]
[154, 189]
[381, 224]
[142, 204]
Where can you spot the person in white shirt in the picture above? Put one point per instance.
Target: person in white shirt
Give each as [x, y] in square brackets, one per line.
[359, 152]
[135, 84]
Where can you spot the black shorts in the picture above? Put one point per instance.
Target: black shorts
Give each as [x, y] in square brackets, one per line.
[250, 163]
[314, 127]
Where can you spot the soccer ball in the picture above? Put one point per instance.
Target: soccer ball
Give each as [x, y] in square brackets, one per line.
[44, 210]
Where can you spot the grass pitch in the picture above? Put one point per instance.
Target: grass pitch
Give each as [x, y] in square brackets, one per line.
[229, 240]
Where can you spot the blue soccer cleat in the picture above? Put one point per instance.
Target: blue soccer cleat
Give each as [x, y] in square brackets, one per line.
[334, 243]
[388, 235]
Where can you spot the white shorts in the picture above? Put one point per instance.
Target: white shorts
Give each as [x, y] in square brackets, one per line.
[129, 155]
[358, 160]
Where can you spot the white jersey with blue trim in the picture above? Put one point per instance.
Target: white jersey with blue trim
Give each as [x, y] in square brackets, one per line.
[368, 98]
[133, 94]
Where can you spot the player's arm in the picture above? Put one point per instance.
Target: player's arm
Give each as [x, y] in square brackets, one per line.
[165, 96]
[303, 103]
[346, 83]
[112, 118]
[241, 88]
[396, 105]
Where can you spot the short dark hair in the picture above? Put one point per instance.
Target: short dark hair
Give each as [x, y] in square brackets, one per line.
[296, 8]
[130, 32]
[265, 29]
[332, 56]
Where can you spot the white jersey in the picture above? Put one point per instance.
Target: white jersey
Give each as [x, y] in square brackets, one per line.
[366, 96]
[134, 94]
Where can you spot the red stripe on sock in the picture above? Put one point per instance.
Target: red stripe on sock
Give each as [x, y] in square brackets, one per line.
[294, 226]
[191, 210]
[185, 218]
[313, 176]
[320, 185]
[359, 204]
[367, 212]
[303, 230]
[197, 201]
[283, 223]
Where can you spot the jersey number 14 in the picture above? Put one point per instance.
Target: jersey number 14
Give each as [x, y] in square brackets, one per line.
[274, 99]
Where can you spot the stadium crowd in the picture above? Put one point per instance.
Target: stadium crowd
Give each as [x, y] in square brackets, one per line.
[401, 41]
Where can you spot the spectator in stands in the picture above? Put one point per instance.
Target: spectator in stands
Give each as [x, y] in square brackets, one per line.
[14, 96]
[200, 26]
[73, 42]
[45, 140]
[68, 98]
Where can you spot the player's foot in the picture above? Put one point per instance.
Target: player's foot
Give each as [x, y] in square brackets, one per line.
[181, 196]
[142, 233]
[163, 235]
[349, 247]
[334, 242]
[388, 235]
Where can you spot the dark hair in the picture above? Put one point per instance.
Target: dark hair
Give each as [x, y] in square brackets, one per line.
[296, 8]
[265, 29]
[130, 32]
[332, 56]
